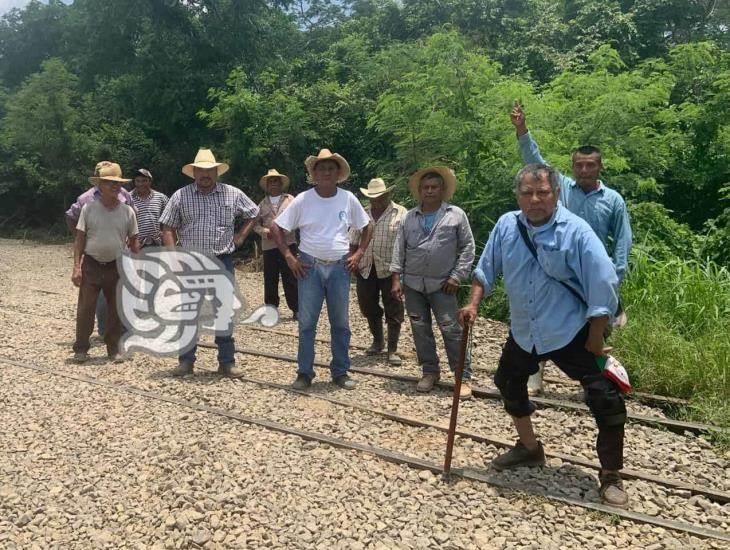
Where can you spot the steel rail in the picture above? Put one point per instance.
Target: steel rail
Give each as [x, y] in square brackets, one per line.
[385, 454]
[679, 426]
[648, 398]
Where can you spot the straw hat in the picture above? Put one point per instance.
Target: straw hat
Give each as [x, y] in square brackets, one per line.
[376, 187]
[204, 159]
[110, 171]
[444, 171]
[326, 154]
[273, 173]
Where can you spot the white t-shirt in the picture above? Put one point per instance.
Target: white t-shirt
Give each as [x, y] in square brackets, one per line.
[106, 230]
[275, 200]
[323, 223]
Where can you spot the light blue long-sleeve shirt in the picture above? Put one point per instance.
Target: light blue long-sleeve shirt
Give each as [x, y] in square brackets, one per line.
[545, 315]
[604, 209]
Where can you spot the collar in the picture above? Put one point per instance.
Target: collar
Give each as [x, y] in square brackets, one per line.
[391, 206]
[443, 208]
[138, 196]
[601, 187]
[216, 189]
[560, 216]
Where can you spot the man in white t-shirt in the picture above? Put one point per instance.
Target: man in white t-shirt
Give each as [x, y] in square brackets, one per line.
[323, 216]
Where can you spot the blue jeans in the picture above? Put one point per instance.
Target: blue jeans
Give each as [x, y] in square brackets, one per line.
[101, 314]
[226, 346]
[330, 282]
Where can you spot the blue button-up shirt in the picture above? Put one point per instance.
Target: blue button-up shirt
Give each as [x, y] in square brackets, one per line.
[545, 315]
[603, 209]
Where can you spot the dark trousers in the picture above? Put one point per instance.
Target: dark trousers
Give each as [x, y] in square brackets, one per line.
[97, 277]
[602, 395]
[369, 293]
[275, 265]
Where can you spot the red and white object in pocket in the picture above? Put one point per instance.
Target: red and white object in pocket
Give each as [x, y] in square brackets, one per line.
[615, 371]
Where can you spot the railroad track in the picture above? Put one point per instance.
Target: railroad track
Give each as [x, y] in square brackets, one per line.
[677, 426]
[642, 397]
[383, 453]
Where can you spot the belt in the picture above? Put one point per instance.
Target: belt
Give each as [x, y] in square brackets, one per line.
[102, 264]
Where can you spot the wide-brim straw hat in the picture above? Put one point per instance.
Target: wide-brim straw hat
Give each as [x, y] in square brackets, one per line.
[326, 154]
[273, 173]
[110, 171]
[444, 171]
[376, 188]
[204, 159]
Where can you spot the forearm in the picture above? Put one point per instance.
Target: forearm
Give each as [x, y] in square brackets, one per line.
[276, 234]
[244, 232]
[71, 224]
[79, 245]
[477, 293]
[365, 237]
[168, 236]
[599, 324]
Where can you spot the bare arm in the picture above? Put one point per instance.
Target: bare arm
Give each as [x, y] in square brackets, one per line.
[79, 246]
[134, 244]
[168, 236]
[240, 237]
[297, 268]
[468, 314]
[355, 257]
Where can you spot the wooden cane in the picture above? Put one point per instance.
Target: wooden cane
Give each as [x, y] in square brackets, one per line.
[455, 402]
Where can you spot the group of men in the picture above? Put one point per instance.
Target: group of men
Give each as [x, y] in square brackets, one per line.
[553, 254]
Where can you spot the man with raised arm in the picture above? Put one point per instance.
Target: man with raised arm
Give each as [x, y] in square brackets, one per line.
[562, 290]
[589, 198]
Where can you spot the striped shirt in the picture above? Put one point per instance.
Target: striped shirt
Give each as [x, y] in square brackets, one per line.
[380, 250]
[205, 221]
[149, 210]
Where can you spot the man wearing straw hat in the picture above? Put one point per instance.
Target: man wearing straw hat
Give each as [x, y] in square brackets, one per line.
[72, 218]
[323, 215]
[432, 256]
[374, 276]
[276, 201]
[105, 228]
[202, 214]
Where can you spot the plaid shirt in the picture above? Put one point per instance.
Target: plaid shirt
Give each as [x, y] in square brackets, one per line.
[380, 250]
[206, 221]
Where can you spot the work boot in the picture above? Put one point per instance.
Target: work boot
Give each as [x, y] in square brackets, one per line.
[612, 490]
[230, 370]
[465, 391]
[183, 369]
[81, 357]
[519, 456]
[376, 348]
[376, 329]
[302, 382]
[345, 382]
[427, 382]
[394, 359]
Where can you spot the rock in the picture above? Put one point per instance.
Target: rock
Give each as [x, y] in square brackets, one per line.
[200, 537]
[24, 520]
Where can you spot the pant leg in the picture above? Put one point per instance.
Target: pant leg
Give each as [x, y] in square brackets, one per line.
[515, 367]
[271, 277]
[393, 313]
[337, 293]
[88, 297]
[113, 333]
[311, 297]
[225, 342]
[602, 397]
[419, 313]
[291, 293]
[445, 309]
[369, 302]
[101, 314]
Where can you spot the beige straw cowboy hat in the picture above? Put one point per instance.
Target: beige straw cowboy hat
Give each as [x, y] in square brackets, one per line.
[109, 171]
[444, 171]
[326, 154]
[204, 159]
[376, 187]
[272, 173]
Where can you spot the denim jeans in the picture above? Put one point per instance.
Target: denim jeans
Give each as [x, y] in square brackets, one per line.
[444, 307]
[101, 314]
[226, 345]
[330, 282]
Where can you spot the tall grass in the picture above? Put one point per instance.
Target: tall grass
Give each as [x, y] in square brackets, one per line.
[677, 341]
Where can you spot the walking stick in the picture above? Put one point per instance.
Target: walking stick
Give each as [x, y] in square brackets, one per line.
[455, 403]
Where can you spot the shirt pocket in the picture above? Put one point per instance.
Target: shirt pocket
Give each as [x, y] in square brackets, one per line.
[224, 217]
[555, 264]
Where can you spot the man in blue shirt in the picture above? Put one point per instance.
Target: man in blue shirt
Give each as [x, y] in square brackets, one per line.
[588, 197]
[562, 290]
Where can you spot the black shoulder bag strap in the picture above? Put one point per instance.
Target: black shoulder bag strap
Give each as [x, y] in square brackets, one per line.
[531, 247]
